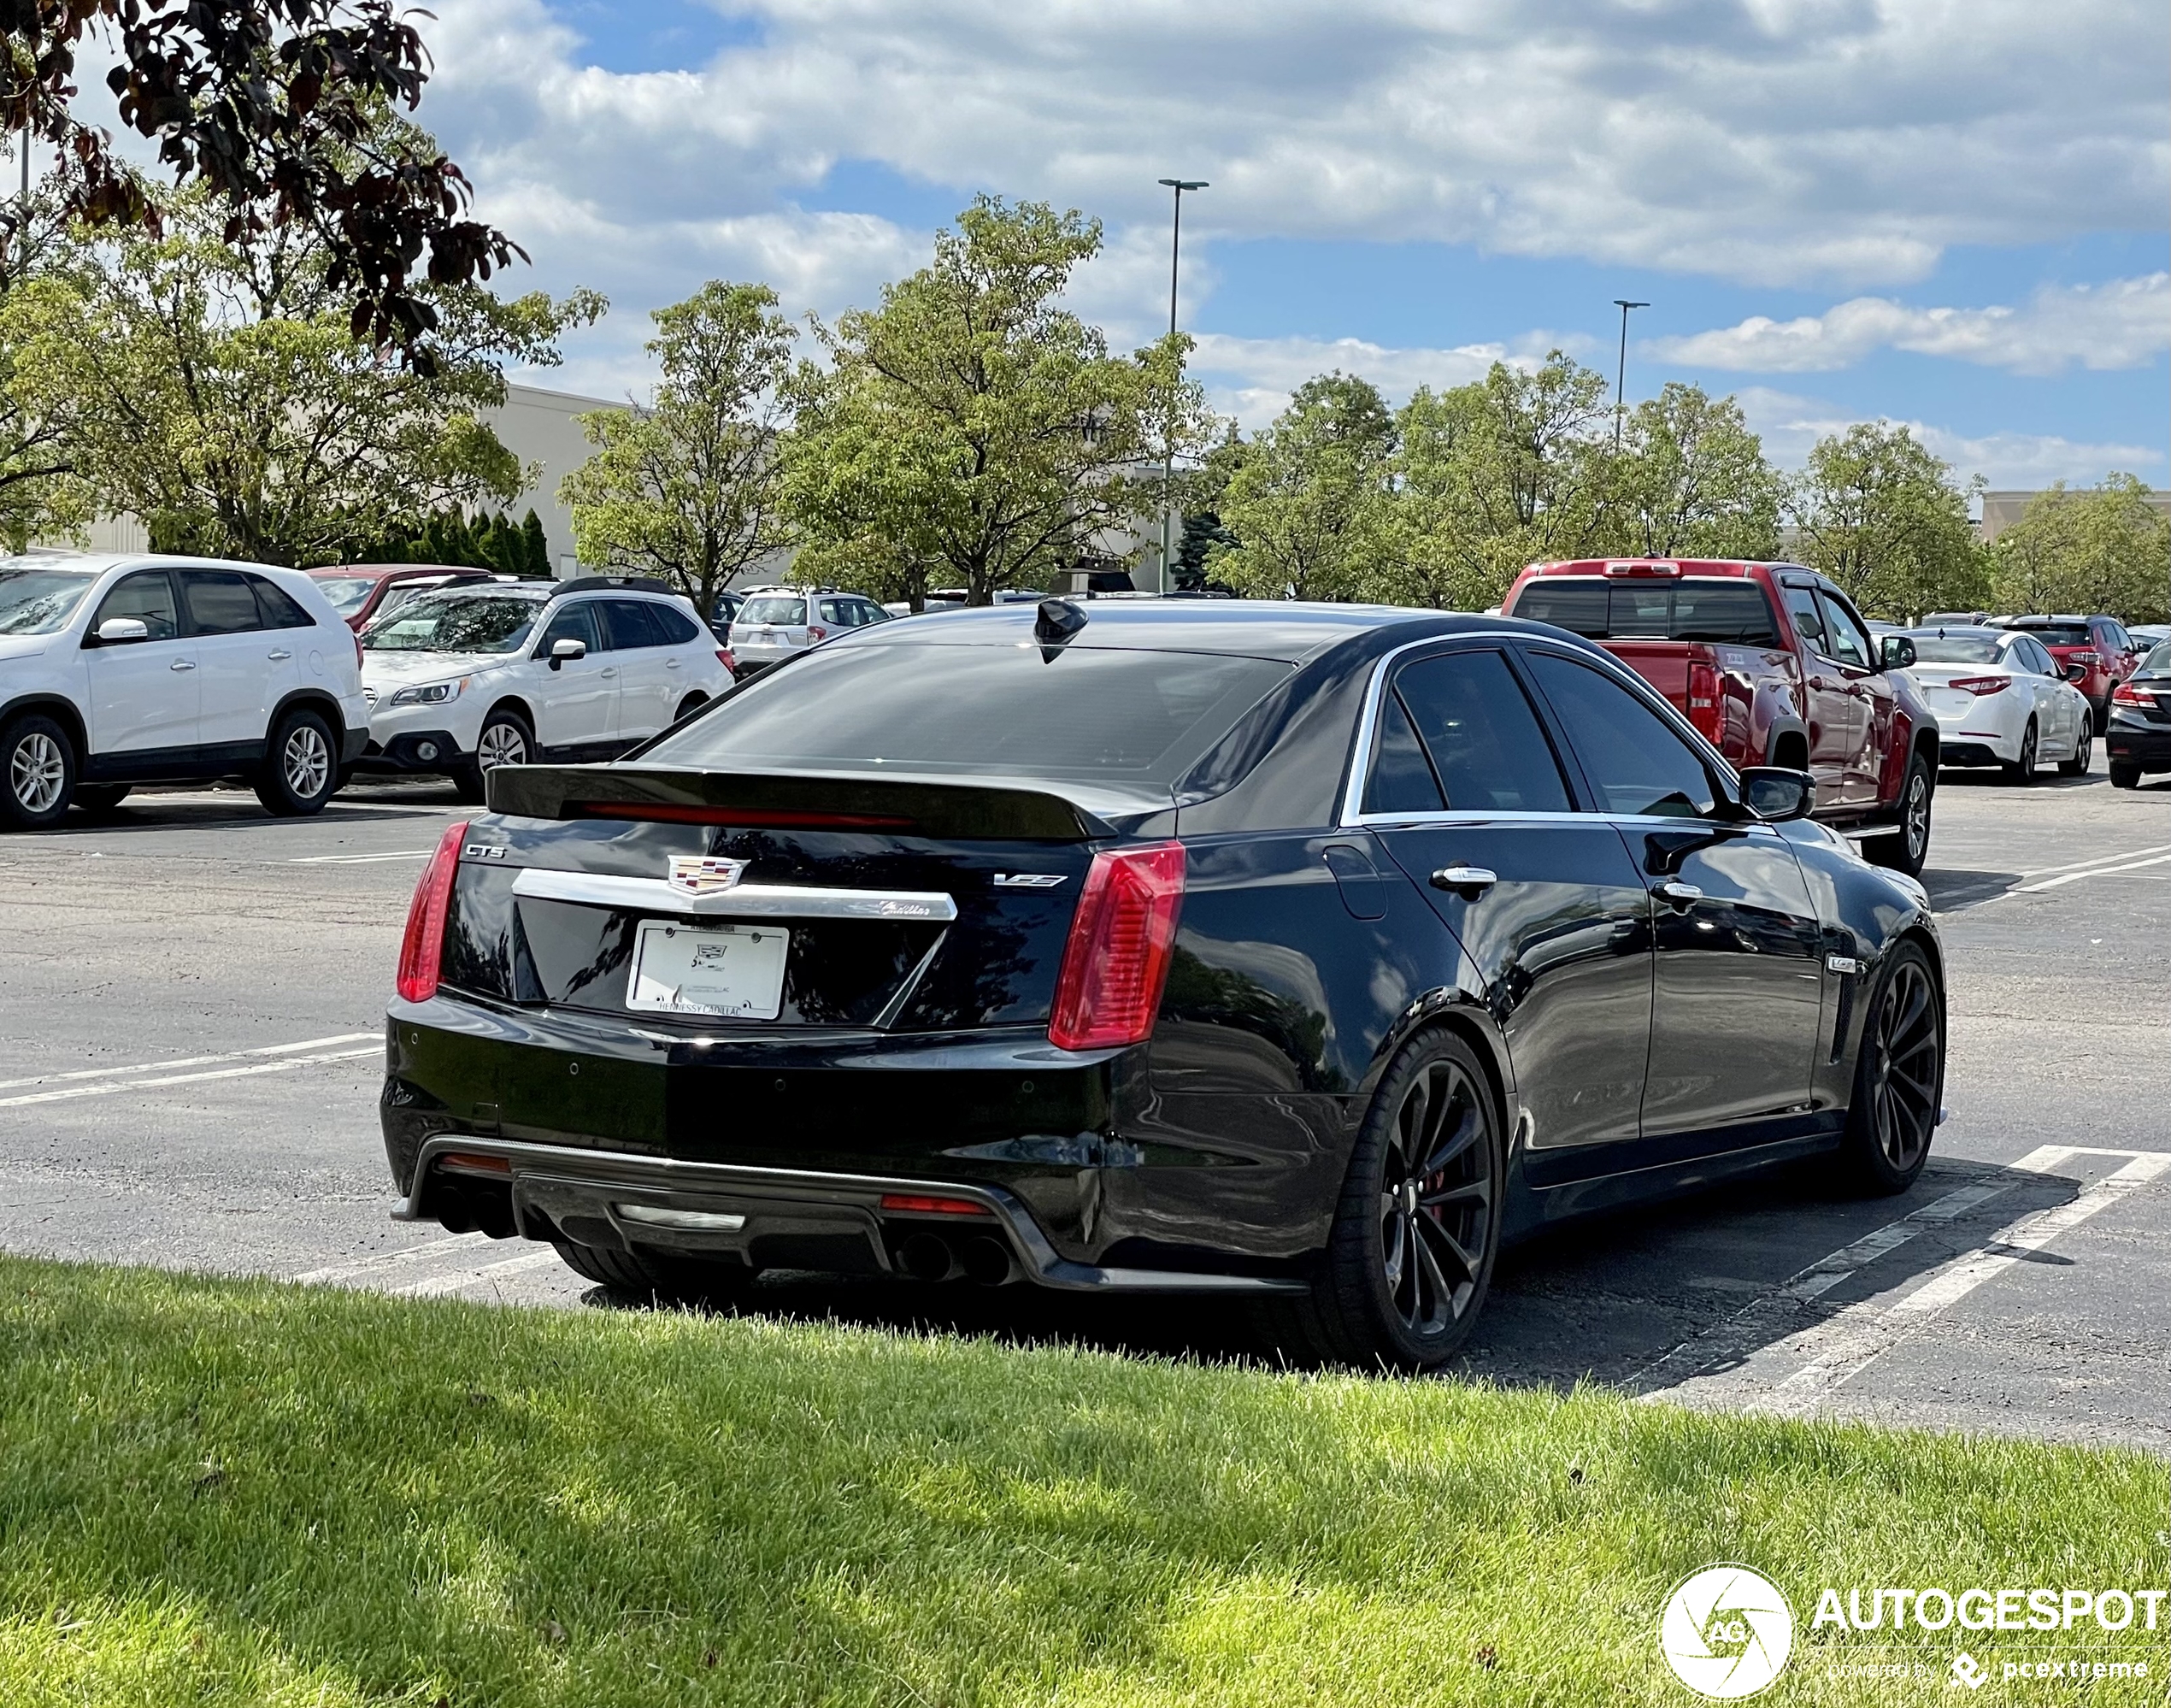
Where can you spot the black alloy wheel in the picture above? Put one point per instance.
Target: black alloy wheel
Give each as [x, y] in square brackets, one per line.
[504, 739]
[301, 767]
[2023, 769]
[2084, 753]
[1411, 1251]
[1899, 1078]
[36, 772]
[1906, 850]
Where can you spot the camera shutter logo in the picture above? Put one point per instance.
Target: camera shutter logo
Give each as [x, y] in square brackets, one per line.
[1726, 1632]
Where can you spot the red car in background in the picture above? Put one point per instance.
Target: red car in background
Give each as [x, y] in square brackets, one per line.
[362, 592]
[1774, 666]
[2099, 644]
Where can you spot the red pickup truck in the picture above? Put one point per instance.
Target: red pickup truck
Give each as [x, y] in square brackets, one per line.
[1776, 667]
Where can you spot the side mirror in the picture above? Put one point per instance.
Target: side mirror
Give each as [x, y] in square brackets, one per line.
[562, 650]
[1774, 795]
[1896, 651]
[118, 631]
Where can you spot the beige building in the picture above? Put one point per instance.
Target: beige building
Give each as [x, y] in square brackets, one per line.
[2002, 509]
[536, 426]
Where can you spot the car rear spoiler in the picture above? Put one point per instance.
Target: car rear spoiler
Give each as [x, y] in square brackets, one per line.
[910, 806]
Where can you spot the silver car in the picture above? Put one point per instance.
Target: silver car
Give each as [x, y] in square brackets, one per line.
[772, 627]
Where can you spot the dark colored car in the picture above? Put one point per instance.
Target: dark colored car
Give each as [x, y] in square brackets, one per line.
[2139, 739]
[363, 593]
[1774, 666]
[1295, 954]
[2098, 645]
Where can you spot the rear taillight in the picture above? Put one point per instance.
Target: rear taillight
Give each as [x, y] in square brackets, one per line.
[1980, 685]
[2125, 694]
[724, 658]
[1121, 940]
[815, 636]
[918, 1204]
[1704, 710]
[422, 949]
[2087, 660]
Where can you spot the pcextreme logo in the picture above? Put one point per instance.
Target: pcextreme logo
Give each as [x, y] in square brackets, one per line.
[1726, 1632]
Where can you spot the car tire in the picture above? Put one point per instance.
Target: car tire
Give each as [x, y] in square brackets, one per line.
[1906, 849]
[2125, 776]
[1898, 1081]
[2084, 753]
[2101, 717]
[672, 1280]
[1410, 1253]
[96, 798]
[36, 772]
[301, 767]
[2021, 771]
[504, 739]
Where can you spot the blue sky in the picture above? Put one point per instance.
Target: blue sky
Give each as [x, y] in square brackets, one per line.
[1839, 209]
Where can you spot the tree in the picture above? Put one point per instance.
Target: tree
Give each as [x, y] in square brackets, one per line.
[1880, 514]
[274, 110]
[2104, 548]
[688, 486]
[1492, 476]
[970, 425]
[218, 392]
[1692, 482]
[1308, 504]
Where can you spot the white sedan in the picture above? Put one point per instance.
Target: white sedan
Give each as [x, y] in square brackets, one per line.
[2001, 699]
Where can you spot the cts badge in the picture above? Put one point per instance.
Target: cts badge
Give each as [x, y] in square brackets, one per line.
[703, 874]
[1028, 881]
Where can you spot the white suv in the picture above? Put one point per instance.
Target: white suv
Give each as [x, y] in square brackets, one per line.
[777, 623]
[508, 673]
[119, 670]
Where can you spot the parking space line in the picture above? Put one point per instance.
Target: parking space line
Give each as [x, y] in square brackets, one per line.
[2097, 860]
[1858, 1336]
[383, 1262]
[107, 1087]
[2091, 872]
[75, 1073]
[437, 1286]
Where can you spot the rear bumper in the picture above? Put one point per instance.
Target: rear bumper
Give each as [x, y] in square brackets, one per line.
[2145, 745]
[778, 1150]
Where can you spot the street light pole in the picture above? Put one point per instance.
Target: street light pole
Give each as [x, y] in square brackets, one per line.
[1621, 373]
[1168, 463]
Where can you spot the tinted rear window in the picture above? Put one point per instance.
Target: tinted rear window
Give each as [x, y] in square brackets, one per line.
[1139, 717]
[1957, 646]
[789, 612]
[2061, 633]
[1700, 607]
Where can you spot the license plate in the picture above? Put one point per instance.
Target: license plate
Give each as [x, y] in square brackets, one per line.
[733, 971]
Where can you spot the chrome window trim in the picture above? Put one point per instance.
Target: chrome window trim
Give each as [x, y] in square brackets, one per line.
[1353, 816]
[745, 901]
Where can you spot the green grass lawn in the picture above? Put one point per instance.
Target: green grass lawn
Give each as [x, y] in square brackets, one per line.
[216, 1492]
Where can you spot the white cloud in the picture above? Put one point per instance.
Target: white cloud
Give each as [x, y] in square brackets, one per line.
[1764, 140]
[1251, 378]
[1790, 424]
[2125, 323]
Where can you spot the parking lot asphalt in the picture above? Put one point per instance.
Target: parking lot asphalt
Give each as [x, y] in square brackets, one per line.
[193, 996]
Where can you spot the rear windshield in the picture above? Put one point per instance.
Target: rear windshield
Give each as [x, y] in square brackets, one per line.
[453, 623]
[39, 601]
[1137, 717]
[348, 593]
[2159, 660]
[2061, 633]
[1699, 608]
[788, 612]
[1957, 646]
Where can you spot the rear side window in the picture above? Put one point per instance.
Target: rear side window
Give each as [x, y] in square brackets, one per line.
[148, 597]
[1631, 756]
[1401, 778]
[1088, 712]
[220, 602]
[631, 624]
[1726, 610]
[1478, 729]
[673, 627]
[1809, 618]
[275, 609]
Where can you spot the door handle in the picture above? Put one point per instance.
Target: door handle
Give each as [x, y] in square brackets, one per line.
[1468, 881]
[671, 663]
[1681, 895]
[607, 674]
[278, 655]
[182, 664]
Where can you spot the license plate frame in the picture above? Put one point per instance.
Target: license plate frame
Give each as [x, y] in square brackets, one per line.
[669, 954]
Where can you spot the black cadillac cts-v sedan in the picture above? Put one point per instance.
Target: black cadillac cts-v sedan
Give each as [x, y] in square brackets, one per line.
[1298, 954]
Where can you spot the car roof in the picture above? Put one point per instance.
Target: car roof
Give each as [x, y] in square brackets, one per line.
[1687, 566]
[1285, 630]
[97, 562]
[386, 572]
